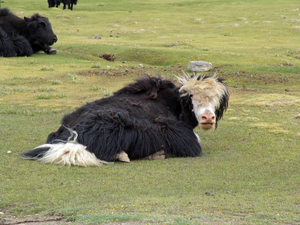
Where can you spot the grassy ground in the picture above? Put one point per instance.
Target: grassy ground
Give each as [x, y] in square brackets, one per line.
[249, 173]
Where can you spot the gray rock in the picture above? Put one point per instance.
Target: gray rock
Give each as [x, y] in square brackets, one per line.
[196, 66]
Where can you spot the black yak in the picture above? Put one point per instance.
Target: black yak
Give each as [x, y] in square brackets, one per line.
[23, 37]
[56, 3]
[52, 3]
[151, 118]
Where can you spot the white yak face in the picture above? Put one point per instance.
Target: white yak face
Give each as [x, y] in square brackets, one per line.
[209, 98]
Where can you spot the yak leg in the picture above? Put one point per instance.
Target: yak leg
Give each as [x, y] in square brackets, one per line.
[50, 51]
[123, 157]
[45, 48]
[157, 155]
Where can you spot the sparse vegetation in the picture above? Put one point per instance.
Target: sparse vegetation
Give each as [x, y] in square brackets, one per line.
[249, 173]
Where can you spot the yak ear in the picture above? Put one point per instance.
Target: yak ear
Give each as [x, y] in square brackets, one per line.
[27, 20]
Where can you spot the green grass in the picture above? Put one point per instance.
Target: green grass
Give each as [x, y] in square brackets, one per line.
[249, 172]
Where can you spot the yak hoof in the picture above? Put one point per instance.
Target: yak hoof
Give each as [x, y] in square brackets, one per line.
[51, 51]
[157, 155]
[123, 157]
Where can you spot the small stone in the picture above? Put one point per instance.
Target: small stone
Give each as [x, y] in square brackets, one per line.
[196, 66]
[95, 37]
[298, 116]
[8, 152]
[287, 90]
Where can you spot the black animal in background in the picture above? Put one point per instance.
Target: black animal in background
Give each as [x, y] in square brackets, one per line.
[53, 3]
[56, 3]
[23, 37]
[151, 118]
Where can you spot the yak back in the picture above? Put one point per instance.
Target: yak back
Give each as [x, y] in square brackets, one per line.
[147, 99]
[150, 85]
[12, 23]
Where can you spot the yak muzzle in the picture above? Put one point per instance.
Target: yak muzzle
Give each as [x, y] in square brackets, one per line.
[54, 40]
[207, 120]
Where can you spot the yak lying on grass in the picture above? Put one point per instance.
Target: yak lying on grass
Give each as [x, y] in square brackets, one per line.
[151, 118]
[23, 37]
[56, 3]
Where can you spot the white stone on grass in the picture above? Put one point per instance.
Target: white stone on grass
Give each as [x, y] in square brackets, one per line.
[197, 66]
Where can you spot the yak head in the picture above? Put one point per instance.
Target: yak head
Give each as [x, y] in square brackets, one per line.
[208, 96]
[40, 30]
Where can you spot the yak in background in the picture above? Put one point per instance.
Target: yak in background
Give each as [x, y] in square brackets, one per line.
[151, 118]
[56, 3]
[23, 37]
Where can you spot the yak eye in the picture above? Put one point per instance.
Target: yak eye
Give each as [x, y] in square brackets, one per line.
[192, 95]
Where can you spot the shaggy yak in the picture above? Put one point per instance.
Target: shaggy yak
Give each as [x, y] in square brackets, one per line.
[23, 37]
[56, 3]
[151, 118]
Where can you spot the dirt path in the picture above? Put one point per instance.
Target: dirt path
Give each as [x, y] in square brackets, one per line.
[34, 220]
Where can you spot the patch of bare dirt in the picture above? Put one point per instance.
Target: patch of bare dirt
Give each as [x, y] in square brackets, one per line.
[105, 72]
[95, 37]
[132, 71]
[115, 72]
[35, 220]
[108, 57]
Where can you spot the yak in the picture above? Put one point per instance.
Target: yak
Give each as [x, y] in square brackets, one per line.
[56, 3]
[150, 118]
[23, 37]
[52, 3]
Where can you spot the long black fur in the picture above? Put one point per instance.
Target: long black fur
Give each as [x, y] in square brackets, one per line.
[141, 119]
[23, 37]
[56, 3]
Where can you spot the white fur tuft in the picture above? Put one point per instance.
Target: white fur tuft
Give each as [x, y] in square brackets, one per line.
[197, 136]
[70, 153]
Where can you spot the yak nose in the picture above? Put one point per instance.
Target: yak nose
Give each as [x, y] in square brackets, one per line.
[208, 117]
[55, 39]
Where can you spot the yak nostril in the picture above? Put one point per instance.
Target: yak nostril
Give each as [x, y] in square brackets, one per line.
[204, 118]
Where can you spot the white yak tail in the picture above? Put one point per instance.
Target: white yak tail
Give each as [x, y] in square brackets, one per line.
[64, 153]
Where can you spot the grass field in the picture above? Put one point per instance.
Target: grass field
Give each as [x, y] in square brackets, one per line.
[249, 173]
